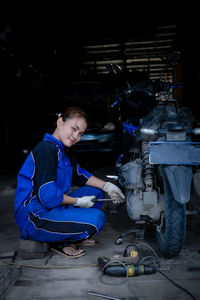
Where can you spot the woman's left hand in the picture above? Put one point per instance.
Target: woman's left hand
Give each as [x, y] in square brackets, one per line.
[114, 192]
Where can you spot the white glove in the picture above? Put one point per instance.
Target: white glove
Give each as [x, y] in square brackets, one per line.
[85, 201]
[114, 192]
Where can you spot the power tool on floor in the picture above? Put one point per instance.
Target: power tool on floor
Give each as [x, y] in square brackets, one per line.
[126, 265]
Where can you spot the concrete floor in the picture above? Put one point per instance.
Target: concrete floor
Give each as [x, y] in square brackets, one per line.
[78, 277]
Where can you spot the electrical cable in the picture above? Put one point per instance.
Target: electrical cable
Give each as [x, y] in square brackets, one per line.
[154, 263]
[176, 284]
[125, 255]
[47, 267]
[157, 264]
[155, 258]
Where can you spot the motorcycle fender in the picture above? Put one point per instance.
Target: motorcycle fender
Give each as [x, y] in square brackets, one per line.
[180, 180]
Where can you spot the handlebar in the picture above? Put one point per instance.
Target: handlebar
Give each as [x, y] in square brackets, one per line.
[123, 94]
[161, 86]
[130, 91]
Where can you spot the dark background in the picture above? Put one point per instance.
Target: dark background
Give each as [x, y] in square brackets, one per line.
[41, 48]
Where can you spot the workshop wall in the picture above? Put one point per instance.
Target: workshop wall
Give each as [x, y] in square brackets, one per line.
[53, 46]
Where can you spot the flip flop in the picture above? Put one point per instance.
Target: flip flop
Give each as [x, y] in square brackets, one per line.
[59, 250]
[85, 243]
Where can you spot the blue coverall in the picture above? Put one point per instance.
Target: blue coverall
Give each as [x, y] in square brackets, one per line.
[45, 176]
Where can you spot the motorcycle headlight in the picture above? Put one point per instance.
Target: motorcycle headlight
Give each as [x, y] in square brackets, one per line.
[148, 131]
[196, 131]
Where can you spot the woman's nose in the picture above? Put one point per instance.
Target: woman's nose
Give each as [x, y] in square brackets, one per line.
[75, 135]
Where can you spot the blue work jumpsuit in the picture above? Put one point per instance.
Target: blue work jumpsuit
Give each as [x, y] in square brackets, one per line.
[45, 176]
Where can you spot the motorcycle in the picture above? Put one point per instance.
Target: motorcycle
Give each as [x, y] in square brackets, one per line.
[158, 168]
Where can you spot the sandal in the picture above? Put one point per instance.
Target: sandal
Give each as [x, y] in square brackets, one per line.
[88, 242]
[59, 250]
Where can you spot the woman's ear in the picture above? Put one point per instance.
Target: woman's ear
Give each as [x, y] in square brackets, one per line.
[59, 122]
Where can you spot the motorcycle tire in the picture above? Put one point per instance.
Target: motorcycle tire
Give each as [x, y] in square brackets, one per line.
[171, 235]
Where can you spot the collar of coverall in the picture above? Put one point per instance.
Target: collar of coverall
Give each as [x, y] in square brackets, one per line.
[49, 137]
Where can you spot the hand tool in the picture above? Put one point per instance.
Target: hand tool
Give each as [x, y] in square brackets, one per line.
[102, 295]
[107, 199]
[110, 297]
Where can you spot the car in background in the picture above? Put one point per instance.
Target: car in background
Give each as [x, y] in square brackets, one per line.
[98, 139]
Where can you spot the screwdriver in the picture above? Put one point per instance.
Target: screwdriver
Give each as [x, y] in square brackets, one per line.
[107, 199]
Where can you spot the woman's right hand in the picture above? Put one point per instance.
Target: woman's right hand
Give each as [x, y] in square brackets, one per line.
[85, 201]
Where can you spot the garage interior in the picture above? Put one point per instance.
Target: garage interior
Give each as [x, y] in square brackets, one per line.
[56, 55]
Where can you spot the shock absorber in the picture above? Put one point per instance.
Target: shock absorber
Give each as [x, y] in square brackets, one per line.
[148, 169]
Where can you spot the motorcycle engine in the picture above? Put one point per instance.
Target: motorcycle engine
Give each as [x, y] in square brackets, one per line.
[140, 201]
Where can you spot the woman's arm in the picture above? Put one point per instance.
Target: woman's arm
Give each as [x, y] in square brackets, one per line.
[96, 182]
[68, 200]
[112, 190]
[92, 181]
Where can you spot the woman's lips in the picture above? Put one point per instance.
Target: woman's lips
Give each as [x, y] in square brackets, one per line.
[72, 141]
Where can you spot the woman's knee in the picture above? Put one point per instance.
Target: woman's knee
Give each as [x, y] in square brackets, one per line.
[100, 219]
[88, 191]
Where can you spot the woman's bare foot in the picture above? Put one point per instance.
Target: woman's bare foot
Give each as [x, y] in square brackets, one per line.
[88, 242]
[72, 250]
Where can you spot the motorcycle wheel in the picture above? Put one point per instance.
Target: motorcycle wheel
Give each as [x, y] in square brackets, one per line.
[170, 235]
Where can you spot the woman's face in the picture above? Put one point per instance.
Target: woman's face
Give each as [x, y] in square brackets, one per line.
[69, 132]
